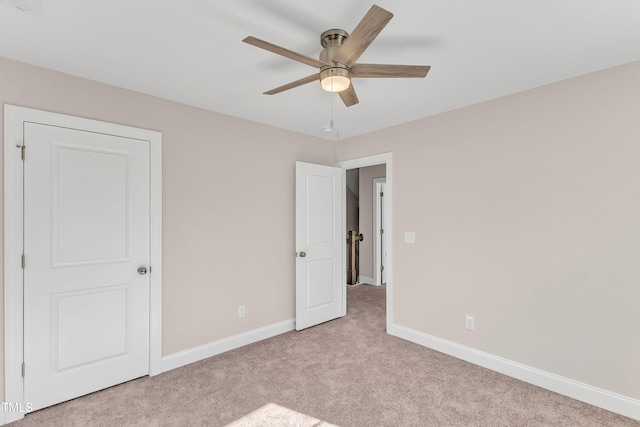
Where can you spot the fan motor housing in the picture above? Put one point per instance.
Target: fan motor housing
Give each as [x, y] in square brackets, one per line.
[331, 40]
[335, 35]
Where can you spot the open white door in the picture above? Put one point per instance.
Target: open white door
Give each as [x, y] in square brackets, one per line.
[379, 234]
[320, 285]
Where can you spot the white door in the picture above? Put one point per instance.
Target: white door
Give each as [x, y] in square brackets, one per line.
[320, 284]
[86, 234]
[383, 236]
[379, 232]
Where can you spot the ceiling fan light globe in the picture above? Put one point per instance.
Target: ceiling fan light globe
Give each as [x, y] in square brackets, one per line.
[335, 83]
[335, 79]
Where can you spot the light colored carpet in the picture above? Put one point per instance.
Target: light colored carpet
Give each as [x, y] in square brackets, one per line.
[276, 415]
[347, 372]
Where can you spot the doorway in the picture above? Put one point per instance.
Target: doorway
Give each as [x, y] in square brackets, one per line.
[384, 160]
[363, 226]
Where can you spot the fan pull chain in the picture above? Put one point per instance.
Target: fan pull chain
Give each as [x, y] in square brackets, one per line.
[332, 107]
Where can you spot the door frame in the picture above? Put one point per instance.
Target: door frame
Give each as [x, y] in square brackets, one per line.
[14, 117]
[379, 210]
[362, 162]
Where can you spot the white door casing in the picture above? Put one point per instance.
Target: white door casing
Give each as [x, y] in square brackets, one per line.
[118, 298]
[86, 232]
[320, 278]
[379, 233]
[362, 162]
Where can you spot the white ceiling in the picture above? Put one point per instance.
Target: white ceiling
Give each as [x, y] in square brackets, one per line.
[190, 51]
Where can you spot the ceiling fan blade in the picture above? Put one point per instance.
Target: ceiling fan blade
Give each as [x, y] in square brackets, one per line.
[285, 52]
[362, 36]
[349, 96]
[387, 70]
[291, 85]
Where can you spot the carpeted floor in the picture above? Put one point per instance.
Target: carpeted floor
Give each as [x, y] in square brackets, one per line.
[347, 372]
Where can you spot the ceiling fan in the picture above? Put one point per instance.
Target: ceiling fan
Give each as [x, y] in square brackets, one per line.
[337, 64]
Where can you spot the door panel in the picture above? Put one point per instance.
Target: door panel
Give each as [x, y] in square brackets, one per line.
[97, 232]
[86, 231]
[82, 314]
[319, 273]
[319, 283]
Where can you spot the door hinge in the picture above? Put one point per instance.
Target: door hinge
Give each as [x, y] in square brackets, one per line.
[22, 150]
[382, 231]
[22, 369]
[382, 268]
[22, 261]
[382, 194]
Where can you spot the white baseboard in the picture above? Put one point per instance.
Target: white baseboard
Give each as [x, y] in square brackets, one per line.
[613, 402]
[365, 279]
[196, 354]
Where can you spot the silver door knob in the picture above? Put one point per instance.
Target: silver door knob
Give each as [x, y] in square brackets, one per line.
[142, 271]
[302, 254]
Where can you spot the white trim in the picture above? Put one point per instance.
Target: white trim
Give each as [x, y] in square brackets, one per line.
[14, 117]
[155, 256]
[344, 248]
[13, 247]
[205, 351]
[584, 392]
[377, 225]
[378, 159]
[365, 279]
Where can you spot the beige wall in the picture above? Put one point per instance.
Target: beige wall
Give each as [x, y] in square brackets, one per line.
[222, 177]
[527, 216]
[526, 211]
[366, 217]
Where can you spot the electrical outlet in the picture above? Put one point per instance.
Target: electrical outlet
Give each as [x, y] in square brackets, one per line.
[469, 322]
[242, 311]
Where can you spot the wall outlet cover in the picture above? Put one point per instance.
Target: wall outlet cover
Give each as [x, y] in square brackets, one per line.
[409, 236]
[469, 322]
